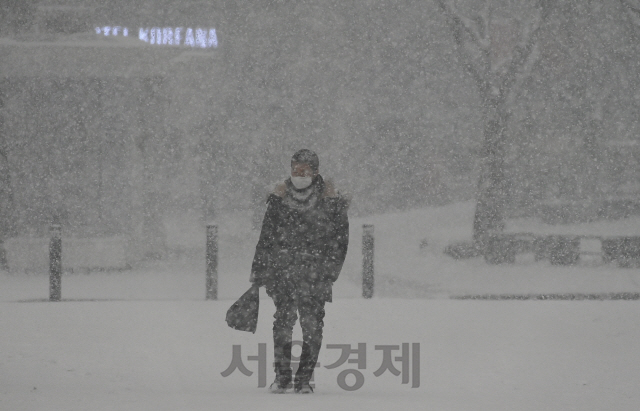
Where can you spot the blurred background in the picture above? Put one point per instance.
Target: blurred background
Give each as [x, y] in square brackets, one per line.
[141, 142]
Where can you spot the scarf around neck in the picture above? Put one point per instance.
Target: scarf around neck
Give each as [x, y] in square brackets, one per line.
[307, 197]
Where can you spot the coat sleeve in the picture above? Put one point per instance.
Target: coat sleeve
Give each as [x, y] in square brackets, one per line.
[262, 266]
[340, 243]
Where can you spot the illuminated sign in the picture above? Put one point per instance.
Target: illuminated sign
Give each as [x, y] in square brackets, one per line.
[167, 36]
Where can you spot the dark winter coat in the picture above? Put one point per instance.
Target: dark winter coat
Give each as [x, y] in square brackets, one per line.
[303, 244]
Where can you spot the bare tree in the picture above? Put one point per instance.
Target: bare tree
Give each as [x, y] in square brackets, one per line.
[497, 51]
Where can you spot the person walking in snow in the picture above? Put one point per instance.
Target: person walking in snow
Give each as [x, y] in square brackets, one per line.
[302, 247]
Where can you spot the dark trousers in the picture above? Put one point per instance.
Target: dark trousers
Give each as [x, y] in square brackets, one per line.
[289, 302]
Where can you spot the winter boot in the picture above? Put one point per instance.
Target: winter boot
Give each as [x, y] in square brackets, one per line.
[277, 388]
[281, 384]
[303, 388]
[301, 384]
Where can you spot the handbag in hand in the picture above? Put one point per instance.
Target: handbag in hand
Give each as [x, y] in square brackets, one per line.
[243, 314]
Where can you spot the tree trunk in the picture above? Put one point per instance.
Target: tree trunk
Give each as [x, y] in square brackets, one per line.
[490, 203]
[6, 194]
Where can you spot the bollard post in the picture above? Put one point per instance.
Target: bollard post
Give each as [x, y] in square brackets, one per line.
[367, 260]
[212, 262]
[55, 262]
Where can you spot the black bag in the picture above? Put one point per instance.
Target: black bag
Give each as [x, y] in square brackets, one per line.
[243, 314]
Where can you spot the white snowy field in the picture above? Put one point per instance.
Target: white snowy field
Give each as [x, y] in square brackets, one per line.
[474, 355]
[145, 339]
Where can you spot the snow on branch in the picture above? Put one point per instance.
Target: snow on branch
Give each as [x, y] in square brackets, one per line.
[524, 50]
[458, 27]
[476, 28]
[525, 71]
[528, 30]
[633, 10]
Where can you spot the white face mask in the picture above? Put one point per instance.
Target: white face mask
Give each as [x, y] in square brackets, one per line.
[301, 182]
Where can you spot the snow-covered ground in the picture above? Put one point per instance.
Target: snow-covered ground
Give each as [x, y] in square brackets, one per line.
[169, 355]
[146, 339]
